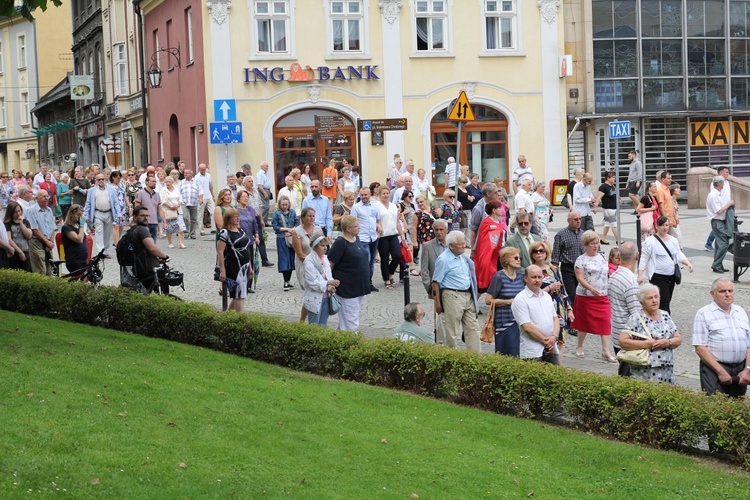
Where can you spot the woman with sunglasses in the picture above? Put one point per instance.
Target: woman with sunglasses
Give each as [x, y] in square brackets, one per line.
[407, 212]
[451, 211]
[505, 285]
[552, 283]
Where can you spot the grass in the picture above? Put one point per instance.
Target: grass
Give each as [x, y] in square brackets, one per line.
[92, 412]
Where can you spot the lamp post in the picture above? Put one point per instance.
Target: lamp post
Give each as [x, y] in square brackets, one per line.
[154, 72]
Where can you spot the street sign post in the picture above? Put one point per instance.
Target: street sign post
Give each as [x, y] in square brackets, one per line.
[225, 132]
[461, 110]
[620, 130]
[324, 124]
[384, 124]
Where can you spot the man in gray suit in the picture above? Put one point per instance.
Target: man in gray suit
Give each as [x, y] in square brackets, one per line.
[429, 252]
[523, 239]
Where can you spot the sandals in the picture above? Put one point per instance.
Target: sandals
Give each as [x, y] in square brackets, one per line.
[390, 285]
[580, 353]
[414, 272]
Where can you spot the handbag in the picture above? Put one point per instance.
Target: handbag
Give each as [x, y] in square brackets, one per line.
[488, 330]
[333, 304]
[677, 270]
[170, 213]
[647, 222]
[406, 257]
[288, 239]
[636, 357]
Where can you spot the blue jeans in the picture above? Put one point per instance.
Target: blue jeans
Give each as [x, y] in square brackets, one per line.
[321, 318]
[372, 250]
[154, 230]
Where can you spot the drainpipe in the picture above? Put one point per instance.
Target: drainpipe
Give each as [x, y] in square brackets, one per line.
[575, 127]
[144, 148]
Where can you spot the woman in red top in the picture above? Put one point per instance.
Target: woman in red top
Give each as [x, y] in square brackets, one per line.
[488, 244]
[51, 189]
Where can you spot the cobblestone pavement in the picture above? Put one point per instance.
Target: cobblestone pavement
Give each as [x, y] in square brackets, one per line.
[382, 311]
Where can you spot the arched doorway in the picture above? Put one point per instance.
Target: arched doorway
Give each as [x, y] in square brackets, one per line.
[174, 140]
[483, 145]
[296, 144]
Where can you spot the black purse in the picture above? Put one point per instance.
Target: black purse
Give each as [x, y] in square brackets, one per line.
[677, 270]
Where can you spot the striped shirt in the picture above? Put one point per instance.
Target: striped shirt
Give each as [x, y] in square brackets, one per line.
[567, 247]
[725, 334]
[622, 292]
[190, 189]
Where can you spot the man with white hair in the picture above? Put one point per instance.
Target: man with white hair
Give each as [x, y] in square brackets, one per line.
[291, 193]
[716, 211]
[451, 173]
[535, 313]
[43, 228]
[584, 202]
[520, 174]
[205, 195]
[454, 290]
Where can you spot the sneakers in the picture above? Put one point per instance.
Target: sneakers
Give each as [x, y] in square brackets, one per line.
[287, 286]
[183, 246]
[170, 246]
[708, 248]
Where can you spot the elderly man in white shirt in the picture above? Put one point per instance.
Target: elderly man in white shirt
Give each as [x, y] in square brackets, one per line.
[584, 202]
[534, 311]
[291, 193]
[716, 212]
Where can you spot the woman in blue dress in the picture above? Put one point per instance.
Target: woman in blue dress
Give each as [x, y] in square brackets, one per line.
[504, 287]
[284, 221]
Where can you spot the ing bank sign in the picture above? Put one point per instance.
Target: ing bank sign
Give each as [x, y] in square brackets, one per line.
[720, 133]
[296, 73]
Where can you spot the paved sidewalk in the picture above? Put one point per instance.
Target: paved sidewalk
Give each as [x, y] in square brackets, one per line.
[382, 311]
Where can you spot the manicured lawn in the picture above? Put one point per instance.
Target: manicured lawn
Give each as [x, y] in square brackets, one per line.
[93, 412]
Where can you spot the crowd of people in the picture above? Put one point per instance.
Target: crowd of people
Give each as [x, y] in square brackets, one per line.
[332, 229]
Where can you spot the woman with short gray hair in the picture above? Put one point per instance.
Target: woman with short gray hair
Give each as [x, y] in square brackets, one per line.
[664, 338]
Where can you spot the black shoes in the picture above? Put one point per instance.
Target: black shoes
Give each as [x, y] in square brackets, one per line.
[267, 264]
[373, 289]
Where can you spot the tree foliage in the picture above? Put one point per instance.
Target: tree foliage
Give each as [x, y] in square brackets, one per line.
[8, 8]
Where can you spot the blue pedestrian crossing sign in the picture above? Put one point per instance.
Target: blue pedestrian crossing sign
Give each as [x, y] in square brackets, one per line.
[225, 110]
[225, 132]
[619, 130]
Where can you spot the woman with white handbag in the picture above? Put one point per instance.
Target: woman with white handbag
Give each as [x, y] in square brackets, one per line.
[648, 342]
[319, 284]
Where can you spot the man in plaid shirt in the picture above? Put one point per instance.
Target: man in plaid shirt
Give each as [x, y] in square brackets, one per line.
[721, 336]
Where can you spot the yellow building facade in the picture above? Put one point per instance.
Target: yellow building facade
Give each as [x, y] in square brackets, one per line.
[34, 57]
[274, 66]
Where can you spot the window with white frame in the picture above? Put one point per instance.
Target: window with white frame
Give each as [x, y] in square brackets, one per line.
[431, 25]
[21, 51]
[500, 25]
[120, 62]
[189, 31]
[272, 20]
[347, 21]
[3, 121]
[25, 118]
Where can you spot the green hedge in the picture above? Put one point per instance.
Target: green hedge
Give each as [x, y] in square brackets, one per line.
[629, 410]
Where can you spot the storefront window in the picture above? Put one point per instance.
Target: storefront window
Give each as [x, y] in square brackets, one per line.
[483, 144]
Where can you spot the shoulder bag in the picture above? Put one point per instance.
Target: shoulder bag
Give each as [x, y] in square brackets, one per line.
[287, 234]
[488, 330]
[677, 270]
[636, 357]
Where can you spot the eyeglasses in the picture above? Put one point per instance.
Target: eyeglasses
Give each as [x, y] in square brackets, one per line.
[517, 257]
[449, 197]
[524, 223]
[539, 250]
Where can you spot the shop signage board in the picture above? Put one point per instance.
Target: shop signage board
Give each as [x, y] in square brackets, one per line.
[384, 124]
[324, 124]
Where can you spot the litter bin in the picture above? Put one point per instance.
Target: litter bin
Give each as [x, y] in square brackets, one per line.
[558, 188]
[741, 254]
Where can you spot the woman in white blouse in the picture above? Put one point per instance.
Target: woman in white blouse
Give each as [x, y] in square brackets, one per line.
[389, 246]
[659, 262]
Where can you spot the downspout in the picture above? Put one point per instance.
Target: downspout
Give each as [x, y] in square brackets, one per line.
[144, 149]
[575, 127]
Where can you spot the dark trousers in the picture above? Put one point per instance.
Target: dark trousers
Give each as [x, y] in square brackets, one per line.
[711, 385]
[587, 223]
[624, 369]
[570, 282]
[390, 255]
[721, 232]
[665, 284]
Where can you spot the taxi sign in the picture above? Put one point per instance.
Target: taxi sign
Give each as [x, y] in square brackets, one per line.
[461, 110]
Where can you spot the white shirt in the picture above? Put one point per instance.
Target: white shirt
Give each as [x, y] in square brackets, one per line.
[388, 217]
[539, 310]
[725, 334]
[582, 197]
[293, 196]
[524, 201]
[714, 203]
[204, 181]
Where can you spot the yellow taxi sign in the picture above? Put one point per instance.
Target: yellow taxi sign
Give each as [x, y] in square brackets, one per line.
[461, 110]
